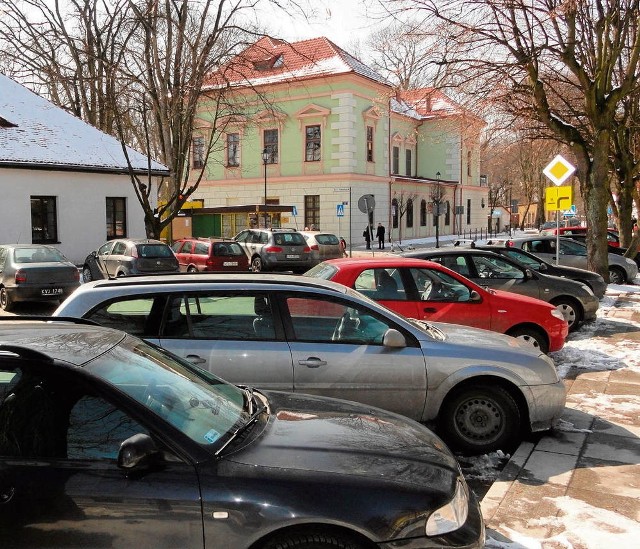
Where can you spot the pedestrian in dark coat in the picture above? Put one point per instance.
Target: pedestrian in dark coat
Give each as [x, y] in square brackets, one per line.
[380, 234]
[367, 237]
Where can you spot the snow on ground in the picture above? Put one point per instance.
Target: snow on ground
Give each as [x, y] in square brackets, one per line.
[584, 526]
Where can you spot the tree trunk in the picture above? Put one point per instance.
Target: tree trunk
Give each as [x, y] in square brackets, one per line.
[596, 198]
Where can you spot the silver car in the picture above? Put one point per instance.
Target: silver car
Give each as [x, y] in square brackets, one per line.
[323, 245]
[481, 389]
[574, 254]
[275, 250]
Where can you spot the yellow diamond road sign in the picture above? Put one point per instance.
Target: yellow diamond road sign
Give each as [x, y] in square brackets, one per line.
[559, 170]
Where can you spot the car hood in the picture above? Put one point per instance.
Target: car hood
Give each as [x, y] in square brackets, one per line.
[477, 338]
[309, 435]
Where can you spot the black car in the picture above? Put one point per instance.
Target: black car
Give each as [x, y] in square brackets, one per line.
[576, 300]
[129, 257]
[593, 280]
[35, 272]
[107, 441]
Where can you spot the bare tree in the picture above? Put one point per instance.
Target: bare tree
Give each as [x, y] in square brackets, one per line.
[135, 69]
[404, 200]
[566, 65]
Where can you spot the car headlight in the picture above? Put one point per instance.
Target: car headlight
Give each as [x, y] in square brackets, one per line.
[557, 313]
[451, 516]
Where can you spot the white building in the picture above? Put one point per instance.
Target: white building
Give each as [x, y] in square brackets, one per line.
[62, 181]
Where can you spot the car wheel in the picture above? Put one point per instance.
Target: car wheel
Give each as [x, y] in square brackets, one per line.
[571, 311]
[480, 419]
[6, 303]
[256, 264]
[86, 274]
[311, 540]
[192, 269]
[616, 276]
[532, 336]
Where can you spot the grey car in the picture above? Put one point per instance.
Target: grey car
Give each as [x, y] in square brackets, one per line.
[129, 257]
[323, 245]
[576, 300]
[573, 254]
[593, 280]
[35, 272]
[481, 389]
[276, 250]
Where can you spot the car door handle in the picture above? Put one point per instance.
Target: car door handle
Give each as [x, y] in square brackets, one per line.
[312, 362]
[430, 310]
[195, 359]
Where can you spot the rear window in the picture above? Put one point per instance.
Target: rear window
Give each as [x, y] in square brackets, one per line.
[289, 239]
[327, 239]
[227, 249]
[154, 250]
[37, 255]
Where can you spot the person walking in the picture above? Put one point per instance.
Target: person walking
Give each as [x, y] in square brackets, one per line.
[367, 237]
[380, 234]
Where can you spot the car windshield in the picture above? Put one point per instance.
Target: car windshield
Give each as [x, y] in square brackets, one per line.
[202, 406]
[322, 270]
[37, 255]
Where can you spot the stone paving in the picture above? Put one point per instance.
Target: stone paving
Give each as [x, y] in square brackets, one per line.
[596, 462]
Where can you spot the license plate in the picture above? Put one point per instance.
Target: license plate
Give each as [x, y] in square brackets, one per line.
[230, 264]
[51, 291]
[293, 256]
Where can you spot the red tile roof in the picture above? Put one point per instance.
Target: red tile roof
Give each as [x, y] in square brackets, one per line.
[270, 60]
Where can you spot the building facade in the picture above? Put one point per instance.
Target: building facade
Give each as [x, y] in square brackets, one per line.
[64, 182]
[311, 128]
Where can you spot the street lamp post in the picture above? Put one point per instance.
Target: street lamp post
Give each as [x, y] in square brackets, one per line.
[437, 209]
[265, 157]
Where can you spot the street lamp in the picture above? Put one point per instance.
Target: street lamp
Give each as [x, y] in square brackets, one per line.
[265, 157]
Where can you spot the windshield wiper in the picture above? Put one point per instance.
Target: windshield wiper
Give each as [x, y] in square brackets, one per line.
[252, 419]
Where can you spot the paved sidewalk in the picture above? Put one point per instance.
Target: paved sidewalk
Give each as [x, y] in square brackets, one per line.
[590, 462]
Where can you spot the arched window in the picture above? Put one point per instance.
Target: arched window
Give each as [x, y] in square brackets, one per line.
[394, 208]
[423, 213]
[409, 213]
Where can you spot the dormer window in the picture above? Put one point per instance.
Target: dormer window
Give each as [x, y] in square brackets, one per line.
[274, 62]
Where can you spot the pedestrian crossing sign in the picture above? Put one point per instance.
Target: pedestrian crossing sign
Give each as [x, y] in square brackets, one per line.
[340, 210]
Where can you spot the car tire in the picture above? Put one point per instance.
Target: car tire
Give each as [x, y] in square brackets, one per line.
[531, 335]
[86, 274]
[616, 276]
[480, 419]
[571, 310]
[6, 303]
[192, 269]
[256, 264]
[311, 540]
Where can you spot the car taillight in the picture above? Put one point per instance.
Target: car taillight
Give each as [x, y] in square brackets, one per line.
[509, 244]
[134, 252]
[210, 262]
[21, 276]
[273, 249]
[314, 247]
[76, 275]
[307, 249]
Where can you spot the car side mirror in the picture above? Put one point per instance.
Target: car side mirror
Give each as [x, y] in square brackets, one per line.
[528, 274]
[137, 452]
[542, 267]
[393, 338]
[474, 296]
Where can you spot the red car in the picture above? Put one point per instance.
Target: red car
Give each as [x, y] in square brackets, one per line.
[210, 255]
[425, 290]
